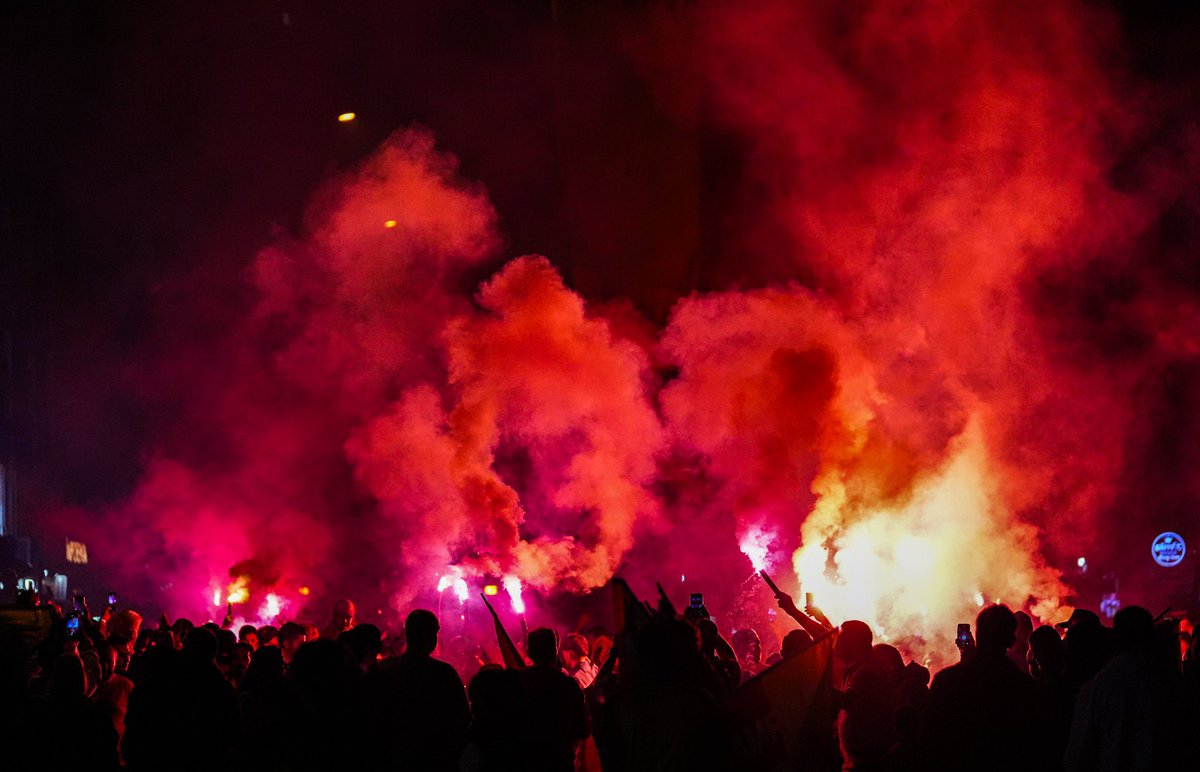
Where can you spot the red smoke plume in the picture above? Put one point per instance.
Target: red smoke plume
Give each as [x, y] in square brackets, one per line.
[885, 381]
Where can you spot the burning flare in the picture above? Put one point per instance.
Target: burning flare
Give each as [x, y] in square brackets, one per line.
[455, 581]
[271, 608]
[914, 572]
[755, 544]
[512, 585]
[238, 590]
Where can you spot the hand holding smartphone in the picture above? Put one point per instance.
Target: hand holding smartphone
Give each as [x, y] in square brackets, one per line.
[964, 640]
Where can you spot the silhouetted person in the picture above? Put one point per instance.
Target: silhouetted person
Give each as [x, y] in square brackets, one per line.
[663, 715]
[331, 727]
[210, 710]
[981, 712]
[226, 640]
[127, 624]
[180, 700]
[112, 694]
[248, 634]
[1047, 666]
[179, 630]
[269, 708]
[795, 642]
[239, 662]
[912, 699]
[913, 687]
[363, 644]
[558, 718]
[748, 648]
[723, 673]
[1087, 648]
[418, 704]
[887, 659]
[1124, 717]
[268, 635]
[155, 717]
[499, 735]
[1019, 651]
[66, 713]
[867, 701]
[341, 620]
[291, 637]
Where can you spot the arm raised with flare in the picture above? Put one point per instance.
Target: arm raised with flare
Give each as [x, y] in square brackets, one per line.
[814, 622]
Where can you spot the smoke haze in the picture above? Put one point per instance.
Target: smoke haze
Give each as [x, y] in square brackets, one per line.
[915, 370]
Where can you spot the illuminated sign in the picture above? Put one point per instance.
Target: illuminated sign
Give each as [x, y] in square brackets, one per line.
[1168, 549]
[76, 552]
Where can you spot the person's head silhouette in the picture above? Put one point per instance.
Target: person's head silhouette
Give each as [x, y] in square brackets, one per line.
[795, 642]
[421, 632]
[1133, 629]
[853, 644]
[543, 646]
[995, 629]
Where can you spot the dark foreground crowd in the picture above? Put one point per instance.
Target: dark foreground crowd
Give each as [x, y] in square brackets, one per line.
[114, 694]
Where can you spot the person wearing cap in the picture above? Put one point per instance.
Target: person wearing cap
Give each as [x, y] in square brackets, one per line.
[1079, 616]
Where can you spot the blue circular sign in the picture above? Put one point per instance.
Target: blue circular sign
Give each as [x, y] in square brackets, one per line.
[1168, 549]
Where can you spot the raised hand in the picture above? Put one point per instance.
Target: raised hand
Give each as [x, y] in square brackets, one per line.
[782, 598]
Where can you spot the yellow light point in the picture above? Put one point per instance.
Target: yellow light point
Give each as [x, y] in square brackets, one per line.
[304, 590]
[389, 223]
[491, 589]
[346, 117]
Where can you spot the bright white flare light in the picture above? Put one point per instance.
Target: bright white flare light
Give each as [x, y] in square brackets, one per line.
[914, 570]
[755, 545]
[456, 581]
[271, 607]
[512, 585]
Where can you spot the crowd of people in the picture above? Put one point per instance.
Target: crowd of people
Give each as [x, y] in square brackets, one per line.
[111, 693]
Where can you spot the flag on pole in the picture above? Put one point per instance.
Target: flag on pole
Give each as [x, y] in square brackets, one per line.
[784, 717]
[508, 650]
[629, 613]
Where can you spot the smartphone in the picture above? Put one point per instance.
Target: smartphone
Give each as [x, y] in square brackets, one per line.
[964, 635]
[79, 602]
[808, 600]
[697, 600]
[73, 625]
[112, 599]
